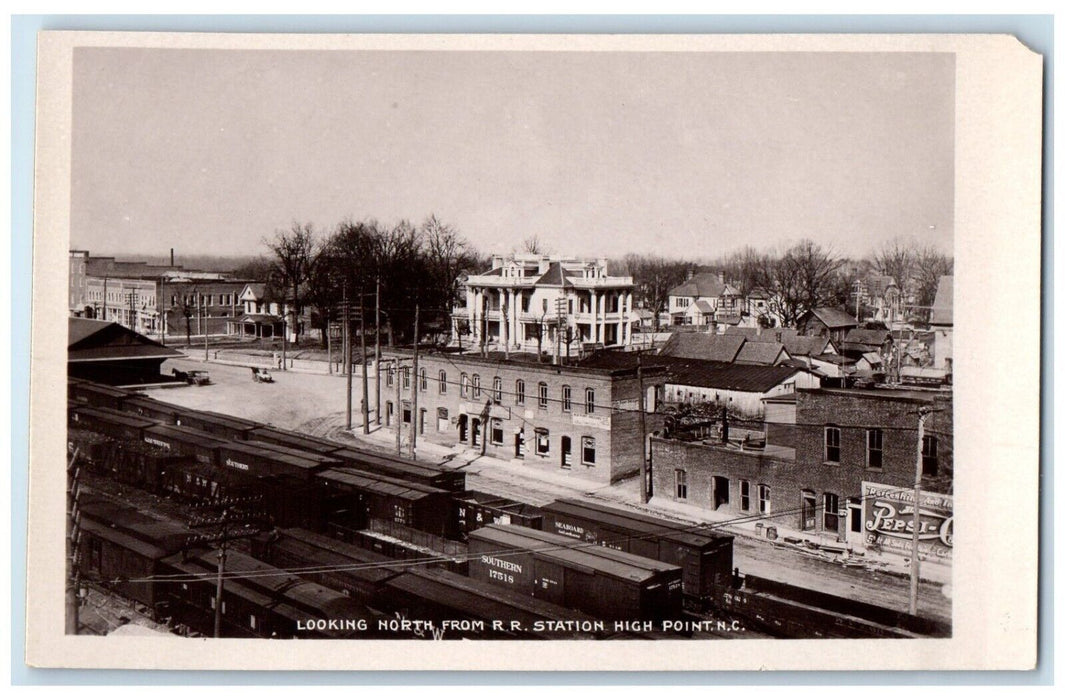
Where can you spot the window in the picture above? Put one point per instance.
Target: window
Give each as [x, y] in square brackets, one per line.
[423, 379]
[476, 386]
[874, 452]
[390, 376]
[589, 400]
[252, 622]
[680, 478]
[832, 444]
[497, 431]
[567, 399]
[930, 455]
[406, 377]
[497, 389]
[464, 386]
[442, 382]
[831, 514]
[745, 496]
[588, 451]
[543, 442]
[519, 392]
[763, 499]
[542, 391]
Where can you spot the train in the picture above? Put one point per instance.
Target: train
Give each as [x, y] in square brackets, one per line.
[401, 509]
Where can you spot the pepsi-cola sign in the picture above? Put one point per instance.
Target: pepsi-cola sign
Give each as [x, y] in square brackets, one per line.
[888, 521]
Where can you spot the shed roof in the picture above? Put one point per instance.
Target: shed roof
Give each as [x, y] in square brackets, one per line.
[833, 318]
[89, 340]
[703, 346]
[761, 353]
[729, 377]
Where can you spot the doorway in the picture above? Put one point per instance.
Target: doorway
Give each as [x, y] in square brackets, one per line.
[719, 491]
[475, 432]
[464, 425]
[567, 452]
[808, 517]
[519, 444]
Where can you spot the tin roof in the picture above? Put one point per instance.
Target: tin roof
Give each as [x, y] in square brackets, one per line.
[761, 353]
[703, 346]
[637, 522]
[93, 340]
[728, 376]
[379, 485]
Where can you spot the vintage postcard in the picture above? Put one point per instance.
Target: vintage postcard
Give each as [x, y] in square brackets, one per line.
[535, 352]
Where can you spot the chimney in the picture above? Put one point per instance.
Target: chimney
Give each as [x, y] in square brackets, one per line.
[171, 257]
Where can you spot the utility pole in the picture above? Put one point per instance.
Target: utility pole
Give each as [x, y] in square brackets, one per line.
[377, 349]
[398, 416]
[73, 583]
[915, 564]
[347, 357]
[365, 379]
[644, 491]
[506, 329]
[132, 298]
[414, 392]
[329, 338]
[105, 297]
[203, 307]
[284, 338]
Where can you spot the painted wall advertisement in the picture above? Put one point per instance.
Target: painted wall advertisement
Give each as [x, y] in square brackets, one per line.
[888, 522]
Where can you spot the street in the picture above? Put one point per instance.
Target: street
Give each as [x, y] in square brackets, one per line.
[315, 404]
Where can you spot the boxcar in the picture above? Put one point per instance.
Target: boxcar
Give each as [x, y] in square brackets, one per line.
[165, 413]
[217, 424]
[603, 582]
[444, 597]
[109, 422]
[259, 461]
[91, 447]
[705, 558]
[179, 440]
[405, 469]
[96, 394]
[142, 465]
[353, 497]
[323, 461]
[475, 509]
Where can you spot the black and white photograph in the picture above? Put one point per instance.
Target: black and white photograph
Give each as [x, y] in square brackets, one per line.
[569, 340]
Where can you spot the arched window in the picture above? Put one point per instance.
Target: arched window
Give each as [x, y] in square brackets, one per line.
[423, 379]
[519, 392]
[589, 400]
[497, 389]
[442, 382]
[832, 444]
[464, 386]
[541, 390]
[567, 399]
[476, 386]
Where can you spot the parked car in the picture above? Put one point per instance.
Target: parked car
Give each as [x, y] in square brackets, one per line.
[260, 374]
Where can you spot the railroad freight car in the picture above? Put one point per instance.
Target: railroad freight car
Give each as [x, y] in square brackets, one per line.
[259, 461]
[475, 509]
[262, 602]
[96, 394]
[188, 442]
[705, 558]
[106, 421]
[217, 424]
[164, 413]
[355, 497]
[91, 448]
[603, 582]
[404, 469]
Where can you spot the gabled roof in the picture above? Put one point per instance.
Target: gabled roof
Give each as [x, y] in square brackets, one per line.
[761, 353]
[833, 318]
[92, 340]
[877, 285]
[705, 284]
[704, 306]
[555, 276]
[943, 306]
[729, 377]
[796, 345]
[703, 346]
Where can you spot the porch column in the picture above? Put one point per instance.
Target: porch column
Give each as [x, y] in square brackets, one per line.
[602, 318]
[519, 327]
[595, 317]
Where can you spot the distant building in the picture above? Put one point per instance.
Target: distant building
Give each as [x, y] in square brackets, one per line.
[942, 323]
[725, 348]
[703, 299]
[879, 298]
[576, 420]
[797, 346]
[529, 302]
[740, 388]
[826, 322]
[142, 303]
[103, 351]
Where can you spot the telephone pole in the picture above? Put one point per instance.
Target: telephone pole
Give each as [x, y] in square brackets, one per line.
[644, 491]
[365, 379]
[377, 349]
[414, 392]
[398, 415]
[73, 583]
[347, 357]
[915, 563]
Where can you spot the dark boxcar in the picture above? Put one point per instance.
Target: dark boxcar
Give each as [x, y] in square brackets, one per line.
[351, 570]
[142, 465]
[150, 408]
[96, 394]
[603, 582]
[405, 469]
[361, 496]
[109, 422]
[179, 440]
[705, 558]
[258, 461]
[322, 460]
[91, 447]
[475, 509]
[217, 424]
[288, 438]
[476, 610]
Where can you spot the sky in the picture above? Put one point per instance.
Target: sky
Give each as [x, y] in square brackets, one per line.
[684, 154]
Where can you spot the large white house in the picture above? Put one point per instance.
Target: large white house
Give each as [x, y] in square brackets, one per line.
[528, 302]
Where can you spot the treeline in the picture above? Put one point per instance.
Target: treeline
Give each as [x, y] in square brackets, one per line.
[798, 277]
[416, 266]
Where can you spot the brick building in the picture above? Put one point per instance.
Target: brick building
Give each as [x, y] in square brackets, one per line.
[840, 438]
[576, 420]
[140, 303]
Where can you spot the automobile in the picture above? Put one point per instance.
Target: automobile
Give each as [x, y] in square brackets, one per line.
[261, 374]
[198, 377]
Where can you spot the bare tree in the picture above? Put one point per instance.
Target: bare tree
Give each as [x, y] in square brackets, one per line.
[448, 255]
[534, 245]
[294, 254]
[930, 265]
[653, 277]
[803, 277]
[897, 258]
